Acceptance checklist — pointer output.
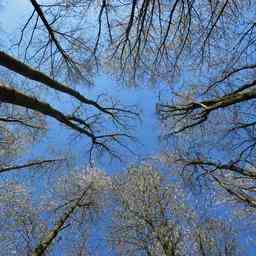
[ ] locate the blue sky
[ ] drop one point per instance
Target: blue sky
(147, 131)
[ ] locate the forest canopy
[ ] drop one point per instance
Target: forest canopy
(198, 60)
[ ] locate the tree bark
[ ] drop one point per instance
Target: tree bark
(21, 68)
(47, 241)
(12, 96)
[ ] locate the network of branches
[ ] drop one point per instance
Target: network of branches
(202, 52)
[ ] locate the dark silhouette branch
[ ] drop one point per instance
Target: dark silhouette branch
(12, 96)
(198, 112)
(30, 164)
(49, 29)
(22, 122)
(25, 70)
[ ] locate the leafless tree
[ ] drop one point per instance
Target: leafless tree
(215, 238)
(21, 225)
(152, 217)
(83, 194)
(204, 51)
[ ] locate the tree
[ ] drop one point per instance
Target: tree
(74, 203)
(152, 217)
(169, 42)
(213, 44)
(152, 38)
(83, 193)
(215, 238)
(21, 225)
(202, 51)
(73, 120)
(88, 117)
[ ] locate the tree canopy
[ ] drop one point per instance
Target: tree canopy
(198, 57)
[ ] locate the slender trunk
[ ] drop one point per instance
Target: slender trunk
(47, 241)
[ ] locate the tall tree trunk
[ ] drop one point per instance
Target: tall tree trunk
(47, 241)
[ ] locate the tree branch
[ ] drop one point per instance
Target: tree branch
(12, 96)
(198, 112)
(28, 165)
